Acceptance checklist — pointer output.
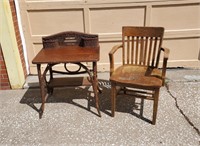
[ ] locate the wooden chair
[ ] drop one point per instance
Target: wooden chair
(141, 50)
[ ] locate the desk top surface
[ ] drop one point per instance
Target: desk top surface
(66, 54)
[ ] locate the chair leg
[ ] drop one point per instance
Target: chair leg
(155, 105)
(142, 107)
(113, 99)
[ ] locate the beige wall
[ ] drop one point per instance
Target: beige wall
(181, 20)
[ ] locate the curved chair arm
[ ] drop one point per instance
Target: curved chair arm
(111, 57)
(164, 66)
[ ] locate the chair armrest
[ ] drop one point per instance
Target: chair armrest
(166, 52)
(164, 66)
(111, 57)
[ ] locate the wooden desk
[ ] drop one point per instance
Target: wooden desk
(66, 54)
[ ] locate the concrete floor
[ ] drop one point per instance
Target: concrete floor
(67, 121)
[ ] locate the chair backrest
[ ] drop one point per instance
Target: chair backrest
(142, 45)
(70, 38)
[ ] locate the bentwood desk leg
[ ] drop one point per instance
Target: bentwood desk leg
(42, 89)
(95, 87)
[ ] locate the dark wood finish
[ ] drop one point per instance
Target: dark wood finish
(72, 54)
(70, 38)
(64, 48)
(141, 49)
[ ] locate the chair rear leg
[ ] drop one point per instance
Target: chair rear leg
(155, 105)
(113, 99)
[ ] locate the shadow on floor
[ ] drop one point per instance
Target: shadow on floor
(125, 104)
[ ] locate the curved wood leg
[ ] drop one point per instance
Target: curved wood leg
(42, 89)
(96, 97)
(95, 87)
(42, 81)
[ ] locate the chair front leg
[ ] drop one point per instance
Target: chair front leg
(155, 105)
(113, 99)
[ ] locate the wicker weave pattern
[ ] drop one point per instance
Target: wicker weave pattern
(70, 38)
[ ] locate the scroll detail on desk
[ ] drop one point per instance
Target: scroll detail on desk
(70, 38)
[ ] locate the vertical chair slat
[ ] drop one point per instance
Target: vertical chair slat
(141, 51)
(158, 55)
(123, 50)
(137, 50)
(154, 52)
(145, 50)
(150, 50)
(132, 50)
(128, 49)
